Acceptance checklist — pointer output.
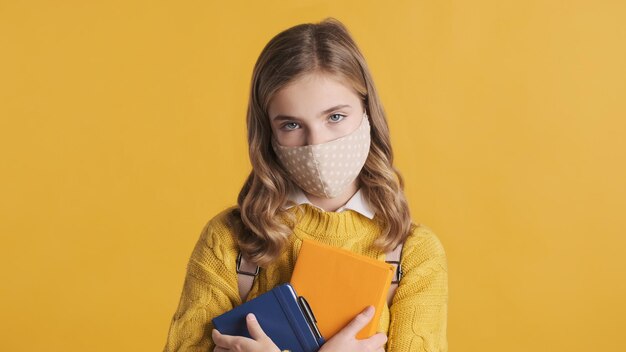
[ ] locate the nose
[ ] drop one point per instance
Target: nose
(315, 135)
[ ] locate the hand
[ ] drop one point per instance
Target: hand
(345, 340)
(259, 341)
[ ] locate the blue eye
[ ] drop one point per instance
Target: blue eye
(336, 117)
(290, 126)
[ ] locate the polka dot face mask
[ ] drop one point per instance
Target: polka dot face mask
(326, 169)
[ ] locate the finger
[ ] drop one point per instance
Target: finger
(376, 341)
(224, 341)
(219, 349)
(232, 343)
(254, 328)
(358, 322)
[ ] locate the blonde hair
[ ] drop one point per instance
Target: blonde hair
(262, 222)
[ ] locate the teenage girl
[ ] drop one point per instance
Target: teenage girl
(322, 168)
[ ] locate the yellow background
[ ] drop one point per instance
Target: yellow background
(122, 133)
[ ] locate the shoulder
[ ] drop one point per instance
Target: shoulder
(217, 237)
(213, 258)
(423, 248)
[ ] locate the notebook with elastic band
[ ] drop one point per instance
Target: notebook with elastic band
(285, 317)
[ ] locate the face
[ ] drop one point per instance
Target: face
(314, 109)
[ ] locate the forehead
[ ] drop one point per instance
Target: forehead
(311, 94)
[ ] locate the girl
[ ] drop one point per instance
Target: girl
(322, 168)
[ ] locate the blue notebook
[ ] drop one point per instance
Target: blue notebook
(284, 317)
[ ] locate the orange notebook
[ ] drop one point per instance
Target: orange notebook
(338, 284)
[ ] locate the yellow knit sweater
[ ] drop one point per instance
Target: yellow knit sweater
(416, 320)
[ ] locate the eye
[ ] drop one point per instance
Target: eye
(336, 117)
(289, 126)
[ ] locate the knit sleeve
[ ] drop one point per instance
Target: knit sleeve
(418, 313)
(209, 289)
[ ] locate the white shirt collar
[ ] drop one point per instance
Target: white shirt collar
(356, 203)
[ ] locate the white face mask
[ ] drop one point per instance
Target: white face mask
(326, 169)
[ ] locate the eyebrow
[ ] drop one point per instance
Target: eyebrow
(285, 117)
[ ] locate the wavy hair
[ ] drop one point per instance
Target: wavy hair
(262, 222)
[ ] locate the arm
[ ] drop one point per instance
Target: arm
(210, 288)
(420, 306)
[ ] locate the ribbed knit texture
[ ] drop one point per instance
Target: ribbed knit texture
(416, 320)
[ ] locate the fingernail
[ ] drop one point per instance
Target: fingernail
(369, 311)
(251, 317)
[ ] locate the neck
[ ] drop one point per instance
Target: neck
(332, 204)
